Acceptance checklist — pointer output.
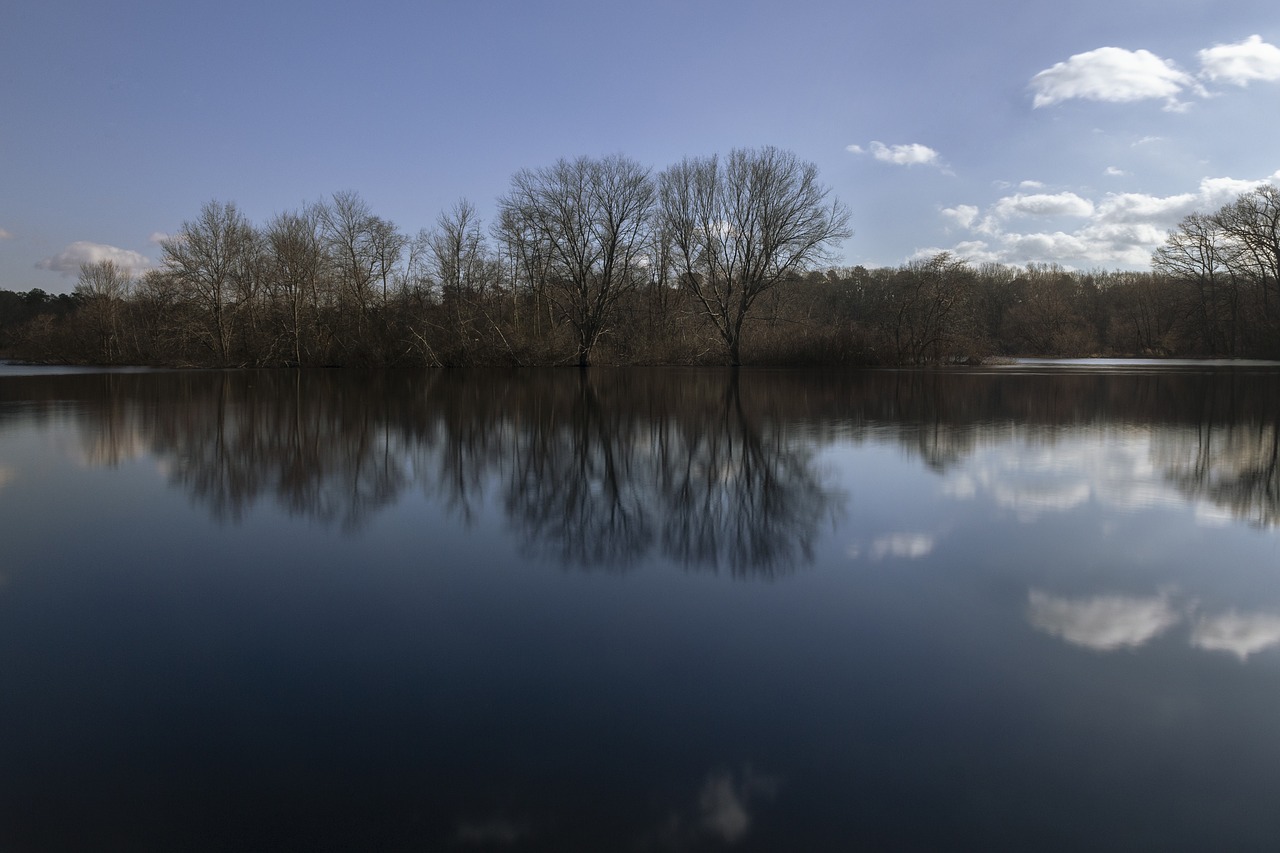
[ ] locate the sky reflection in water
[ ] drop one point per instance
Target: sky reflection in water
(650, 610)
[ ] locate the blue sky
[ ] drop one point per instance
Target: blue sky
(1007, 131)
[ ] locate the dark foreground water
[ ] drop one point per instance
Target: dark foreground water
(1024, 608)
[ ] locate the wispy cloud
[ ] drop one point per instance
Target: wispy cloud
(1241, 63)
(909, 154)
(68, 261)
(1114, 172)
(1114, 75)
(902, 546)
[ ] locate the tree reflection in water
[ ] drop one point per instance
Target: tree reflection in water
(606, 468)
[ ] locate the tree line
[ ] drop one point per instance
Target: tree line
(601, 260)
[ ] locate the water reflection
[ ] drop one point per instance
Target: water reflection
(607, 468)
(1103, 623)
(1038, 625)
(593, 470)
(1108, 623)
(1241, 634)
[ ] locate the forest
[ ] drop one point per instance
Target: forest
(713, 260)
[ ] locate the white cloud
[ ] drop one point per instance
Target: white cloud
(910, 154)
(1103, 623)
(1114, 75)
(1146, 140)
(1251, 59)
(1113, 172)
(1031, 185)
(1241, 634)
(962, 214)
(68, 261)
(1117, 228)
(158, 237)
(1043, 204)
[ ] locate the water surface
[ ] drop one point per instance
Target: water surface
(1028, 607)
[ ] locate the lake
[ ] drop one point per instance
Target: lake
(1034, 606)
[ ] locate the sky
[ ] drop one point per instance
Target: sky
(1013, 131)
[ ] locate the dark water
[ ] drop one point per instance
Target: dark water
(1024, 608)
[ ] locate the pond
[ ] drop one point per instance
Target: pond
(1034, 606)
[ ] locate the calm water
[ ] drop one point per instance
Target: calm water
(1020, 608)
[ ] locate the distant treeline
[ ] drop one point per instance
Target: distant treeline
(712, 260)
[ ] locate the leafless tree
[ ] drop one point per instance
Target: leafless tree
(457, 253)
(1251, 224)
(1196, 255)
(743, 225)
(590, 220)
(211, 259)
(102, 287)
(297, 269)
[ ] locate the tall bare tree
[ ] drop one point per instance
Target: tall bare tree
(364, 251)
(102, 287)
(296, 271)
(1195, 254)
(589, 218)
(211, 260)
(743, 225)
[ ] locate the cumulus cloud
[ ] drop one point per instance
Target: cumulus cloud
(68, 261)
(1043, 204)
(1116, 228)
(1241, 63)
(910, 154)
(1115, 75)
(1241, 634)
(962, 214)
(1103, 623)
(1114, 172)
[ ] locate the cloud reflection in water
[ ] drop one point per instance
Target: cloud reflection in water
(1104, 622)
(1111, 622)
(1241, 634)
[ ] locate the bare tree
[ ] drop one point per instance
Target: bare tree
(102, 288)
(1195, 253)
(457, 253)
(924, 315)
(742, 225)
(590, 220)
(364, 251)
(1251, 224)
(211, 259)
(297, 268)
